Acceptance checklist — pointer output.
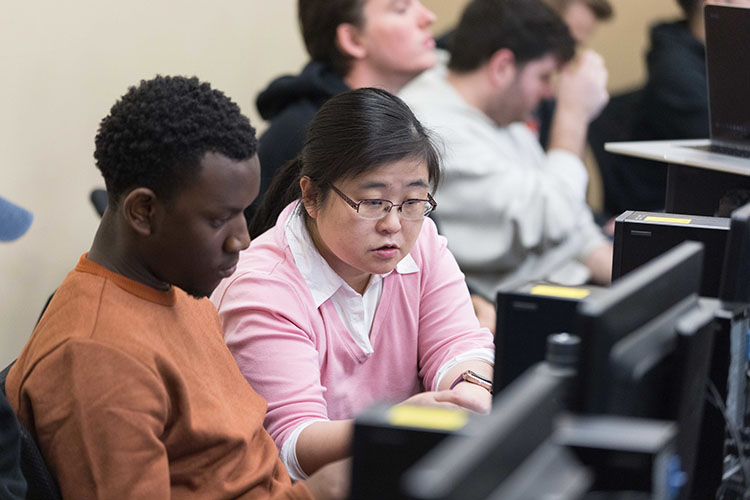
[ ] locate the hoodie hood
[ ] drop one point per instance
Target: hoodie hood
(674, 38)
(316, 83)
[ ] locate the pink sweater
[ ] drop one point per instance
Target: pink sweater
(303, 360)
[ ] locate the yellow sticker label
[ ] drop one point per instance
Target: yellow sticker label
(653, 218)
(431, 418)
(563, 292)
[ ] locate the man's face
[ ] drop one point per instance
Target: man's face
(398, 37)
(531, 84)
(197, 236)
(581, 22)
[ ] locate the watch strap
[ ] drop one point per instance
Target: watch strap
(474, 378)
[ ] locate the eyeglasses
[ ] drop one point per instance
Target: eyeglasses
(412, 209)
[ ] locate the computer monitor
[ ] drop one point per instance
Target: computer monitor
(661, 369)
(735, 278)
(629, 304)
(641, 367)
(727, 57)
(647, 346)
(522, 419)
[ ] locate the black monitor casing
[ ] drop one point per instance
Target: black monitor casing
(643, 236)
(525, 317)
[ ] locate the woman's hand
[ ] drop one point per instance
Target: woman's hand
(473, 397)
(459, 397)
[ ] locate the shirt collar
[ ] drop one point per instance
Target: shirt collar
(323, 281)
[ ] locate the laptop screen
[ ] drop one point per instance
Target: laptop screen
(728, 68)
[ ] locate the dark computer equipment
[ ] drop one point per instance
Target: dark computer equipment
(647, 346)
(655, 308)
(630, 303)
(526, 315)
(730, 367)
(727, 60)
(389, 439)
(735, 278)
(660, 371)
(643, 364)
(642, 236)
(631, 458)
(505, 442)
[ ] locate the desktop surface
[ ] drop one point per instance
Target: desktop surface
(686, 152)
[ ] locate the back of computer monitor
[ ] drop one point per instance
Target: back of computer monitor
(695, 337)
(727, 60)
(735, 278)
(522, 418)
(644, 381)
(628, 304)
(660, 371)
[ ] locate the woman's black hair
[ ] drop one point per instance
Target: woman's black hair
(353, 133)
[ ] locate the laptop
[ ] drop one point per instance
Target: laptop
(728, 72)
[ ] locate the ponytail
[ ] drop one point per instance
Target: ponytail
(283, 190)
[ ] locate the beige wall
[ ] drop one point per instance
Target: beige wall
(65, 63)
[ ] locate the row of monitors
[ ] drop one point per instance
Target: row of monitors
(647, 350)
(528, 313)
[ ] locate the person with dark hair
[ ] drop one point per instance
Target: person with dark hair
(352, 44)
(673, 105)
(510, 211)
(14, 222)
(126, 383)
(351, 297)
(582, 16)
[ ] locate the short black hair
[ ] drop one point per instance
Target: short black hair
(157, 133)
(528, 28)
(319, 20)
(602, 9)
(690, 7)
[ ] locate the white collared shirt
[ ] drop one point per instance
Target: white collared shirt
(356, 311)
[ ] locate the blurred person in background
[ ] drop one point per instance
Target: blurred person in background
(352, 44)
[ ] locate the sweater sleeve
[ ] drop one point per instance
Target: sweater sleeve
(448, 327)
(266, 321)
(106, 409)
(504, 198)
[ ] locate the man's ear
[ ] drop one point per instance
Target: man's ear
(349, 41)
(309, 196)
(502, 68)
(138, 209)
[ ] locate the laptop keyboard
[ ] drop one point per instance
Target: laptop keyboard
(725, 150)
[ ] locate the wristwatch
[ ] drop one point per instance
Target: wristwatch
(474, 378)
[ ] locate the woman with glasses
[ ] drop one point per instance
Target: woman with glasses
(350, 297)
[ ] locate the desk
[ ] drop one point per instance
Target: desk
(696, 179)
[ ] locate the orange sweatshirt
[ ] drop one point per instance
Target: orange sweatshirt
(132, 393)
